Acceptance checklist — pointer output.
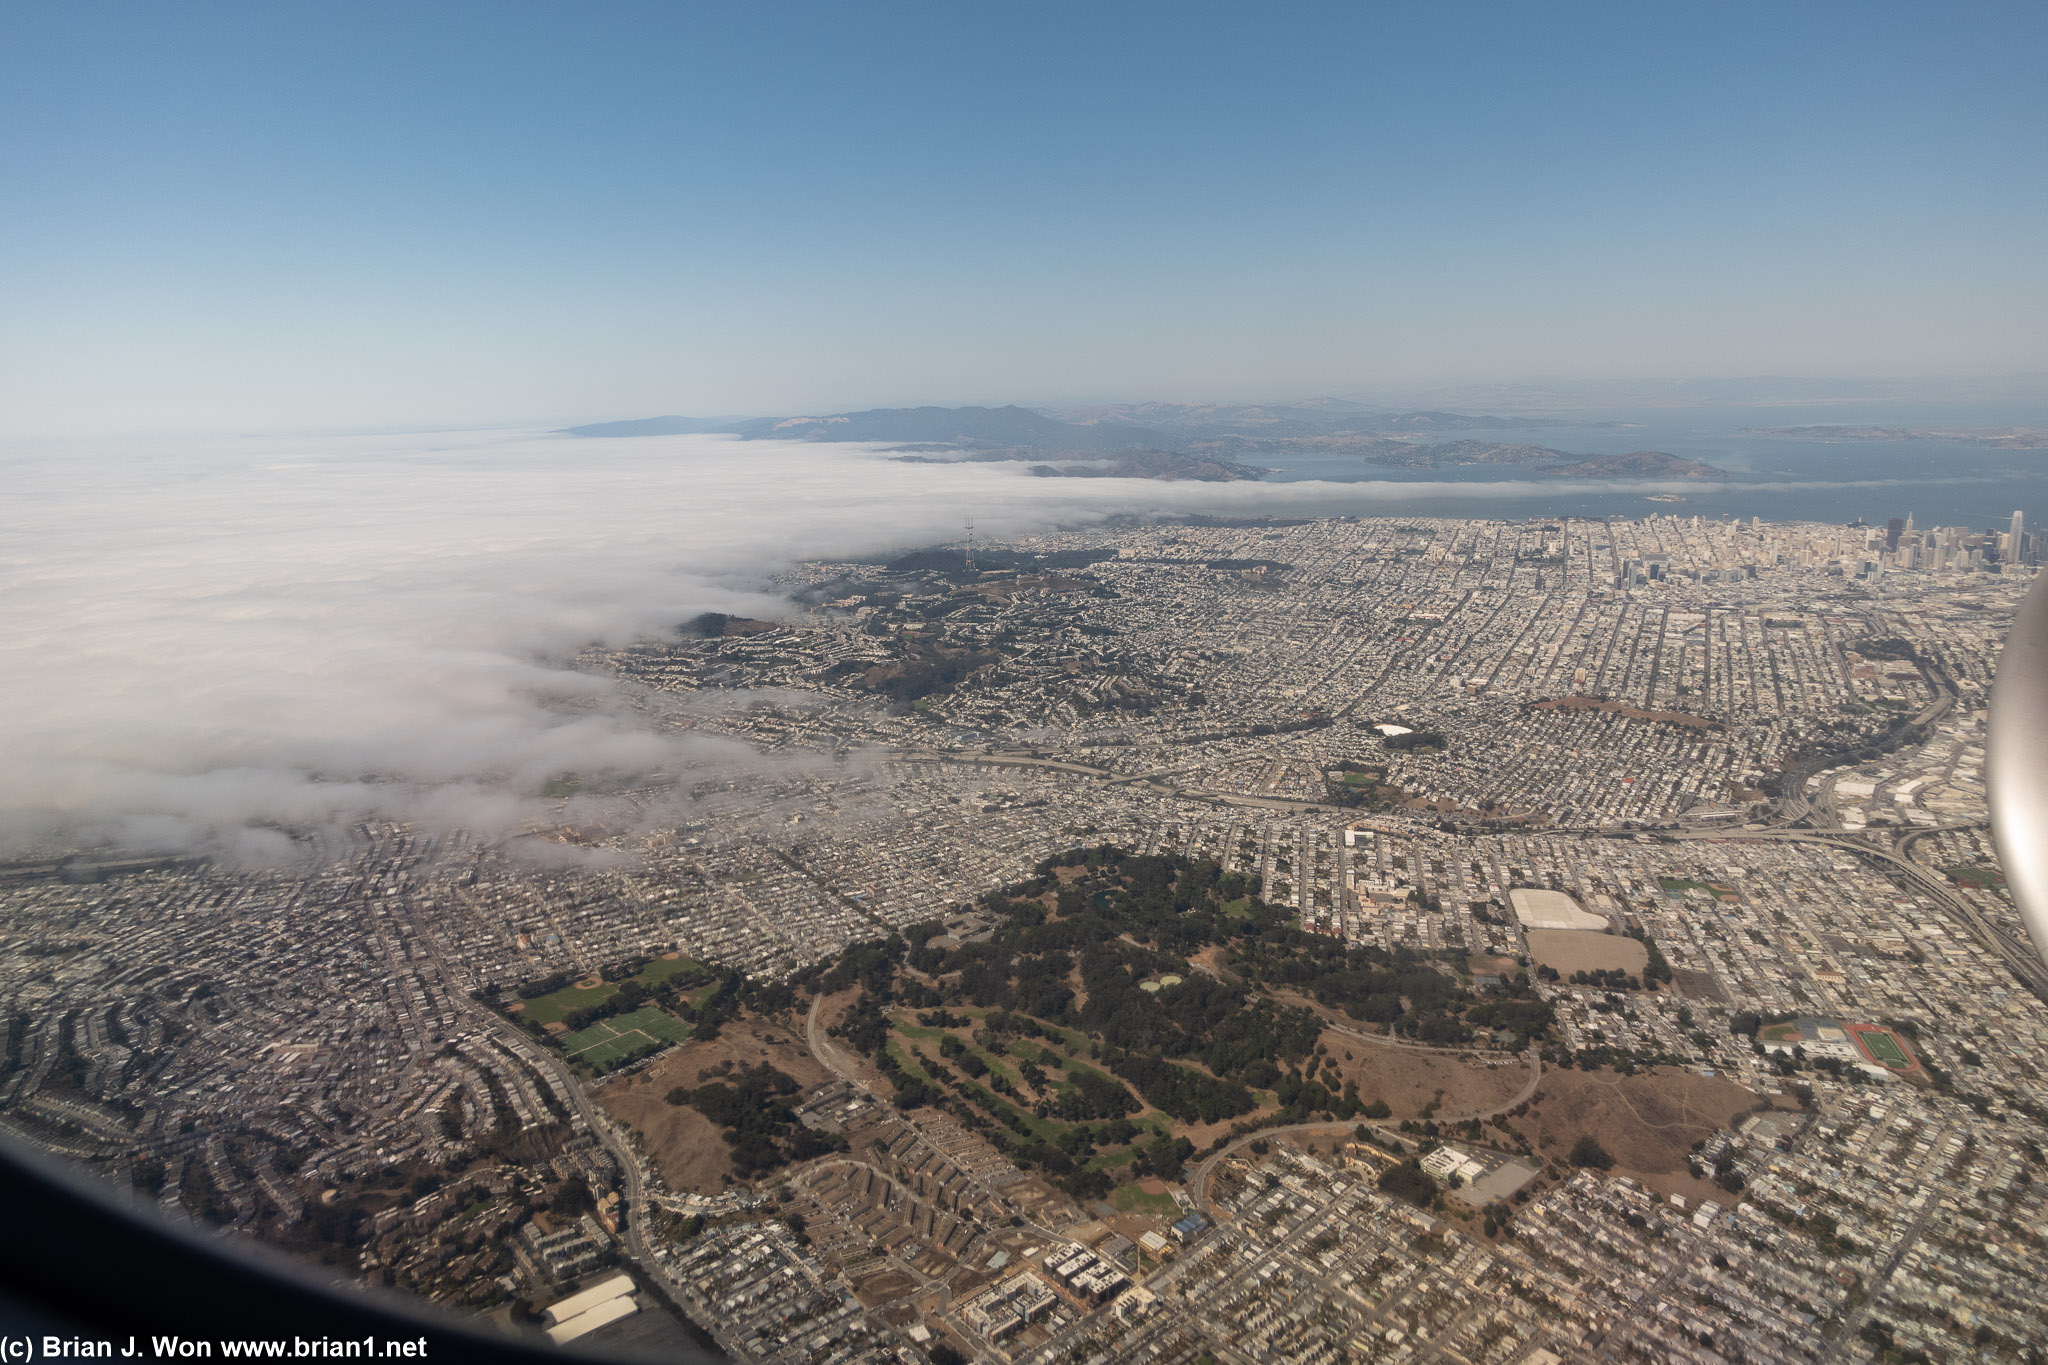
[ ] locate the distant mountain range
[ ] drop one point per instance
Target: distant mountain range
(658, 426)
(1152, 464)
(2001, 438)
(1204, 441)
(1116, 427)
(1637, 464)
(1319, 417)
(971, 428)
(1136, 463)
(1009, 428)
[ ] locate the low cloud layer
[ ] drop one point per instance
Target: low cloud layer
(203, 643)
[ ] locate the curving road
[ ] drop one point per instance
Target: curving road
(833, 1059)
(1793, 806)
(1198, 1188)
(636, 1202)
(2017, 956)
(827, 1052)
(633, 1226)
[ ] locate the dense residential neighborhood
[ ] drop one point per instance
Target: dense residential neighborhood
(1712, 792)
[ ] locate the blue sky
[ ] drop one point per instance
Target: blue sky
(357, 215)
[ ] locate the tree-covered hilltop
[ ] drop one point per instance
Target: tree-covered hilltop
(1119, 920)
(752, 1106)
(1114, 984)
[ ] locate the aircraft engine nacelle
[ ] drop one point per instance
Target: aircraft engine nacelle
(2017, 762)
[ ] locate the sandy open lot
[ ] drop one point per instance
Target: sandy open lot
(684, 1144)
(1408, 1079)
(1648, 1122)
(1576, 950)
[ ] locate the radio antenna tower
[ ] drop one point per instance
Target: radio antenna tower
(970, 545)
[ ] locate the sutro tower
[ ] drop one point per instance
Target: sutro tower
(970, 545)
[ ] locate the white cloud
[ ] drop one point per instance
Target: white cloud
(201, 642)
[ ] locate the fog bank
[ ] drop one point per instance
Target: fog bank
(203, 642)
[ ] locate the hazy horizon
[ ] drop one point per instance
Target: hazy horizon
(232, 217)
(1984, 401)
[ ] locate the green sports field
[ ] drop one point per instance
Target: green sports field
(609, 1042)
(662, 968)
(1132, 1198)
(549, 1009)
(553, 1008)
(1884, 1049)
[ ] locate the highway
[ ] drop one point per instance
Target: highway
(2019, 957)
(1794, 807)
